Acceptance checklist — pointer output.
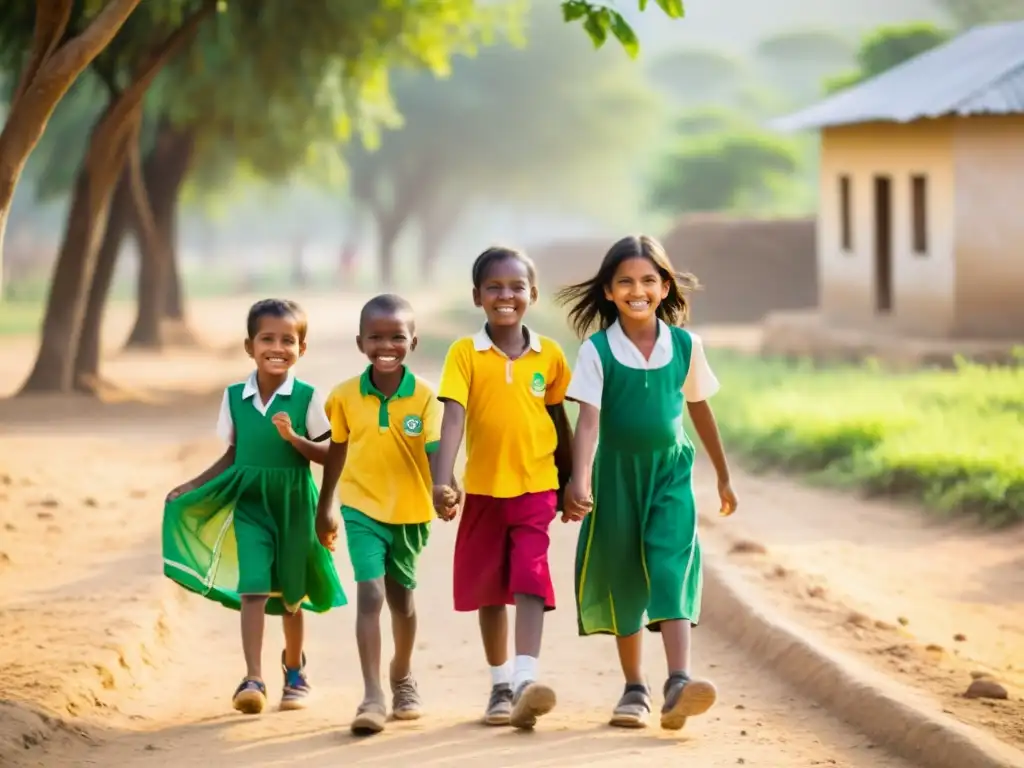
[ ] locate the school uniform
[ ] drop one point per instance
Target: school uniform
(511, 481)
(638, 558)
(250, 530)
(385, 488)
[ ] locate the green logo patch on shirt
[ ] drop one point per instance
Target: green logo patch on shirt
(412, 426)
(537, 385)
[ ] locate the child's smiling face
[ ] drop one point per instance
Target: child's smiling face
(386, 339)
(277, 345)
(505, 292)
(637, 289)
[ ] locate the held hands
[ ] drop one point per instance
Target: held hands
(327, 524)
(728, 497)
(283, 422)
(578, 501)
(447, 501)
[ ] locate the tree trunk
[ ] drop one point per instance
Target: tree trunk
(50, 69)
(90, 346)
(65, 306)
(174, 304)
(388, 233)
(111, 138)
(164, 173)
(436, 225)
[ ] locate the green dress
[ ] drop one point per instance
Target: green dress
(638, 552)
(250, 530)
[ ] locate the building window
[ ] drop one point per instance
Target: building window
(919, 212)
(845, 214)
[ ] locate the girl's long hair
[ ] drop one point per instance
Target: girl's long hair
(588, 306)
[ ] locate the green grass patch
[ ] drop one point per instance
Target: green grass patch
(952, 439)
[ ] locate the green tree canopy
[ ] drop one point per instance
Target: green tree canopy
(887, 47)
(734, 171)
(547, 124)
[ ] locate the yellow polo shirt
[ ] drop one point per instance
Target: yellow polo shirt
(386, 474)
(510, 438)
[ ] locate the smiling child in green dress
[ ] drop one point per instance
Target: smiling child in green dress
(638, 557)
(242, 532)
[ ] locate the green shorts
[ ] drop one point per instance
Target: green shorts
(381, 549)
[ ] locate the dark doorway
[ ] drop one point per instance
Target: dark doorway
(883, 244)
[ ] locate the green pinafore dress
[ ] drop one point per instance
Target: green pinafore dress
(251, 529)
(638, 558)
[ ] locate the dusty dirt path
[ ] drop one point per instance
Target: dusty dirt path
(79, 516)
(931, 603)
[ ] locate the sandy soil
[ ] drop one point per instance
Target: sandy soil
(104, 663)
(933, 604)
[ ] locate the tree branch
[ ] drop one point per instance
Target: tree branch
(74, 56)
(51, 22)
(159, 56)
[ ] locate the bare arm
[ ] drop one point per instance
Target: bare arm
(312, 450)
(452, 426)
(217, 468)
(707, 430)
(584, 444)
(334, 463)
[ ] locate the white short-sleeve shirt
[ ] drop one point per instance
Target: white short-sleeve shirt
(588, 375)
(317, 423)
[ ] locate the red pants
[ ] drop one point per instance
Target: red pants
(501, 550)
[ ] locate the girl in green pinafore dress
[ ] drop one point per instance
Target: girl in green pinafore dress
(242, 533)
(638, 558)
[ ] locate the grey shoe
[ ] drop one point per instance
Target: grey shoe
(499, 706)
(634, 708)
(405, 699)
(531, 701)
(685, 698)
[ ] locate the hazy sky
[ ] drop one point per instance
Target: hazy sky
(739, 24)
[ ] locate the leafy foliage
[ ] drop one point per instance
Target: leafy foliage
(887, 47)
(730, 171)
(513, 123)
(600, 20)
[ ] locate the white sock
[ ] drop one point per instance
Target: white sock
(502, 674)
(525, 671)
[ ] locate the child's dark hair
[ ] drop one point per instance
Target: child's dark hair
(387, 304)
(276, 308)
(587, 302)
(497, 253)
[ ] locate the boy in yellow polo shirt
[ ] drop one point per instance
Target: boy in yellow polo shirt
(505, 386)
(385, 423)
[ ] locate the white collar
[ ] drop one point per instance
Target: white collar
(662, 344)
(251, 388)
(482, 342)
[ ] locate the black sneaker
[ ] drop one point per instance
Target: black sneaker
(499, 706)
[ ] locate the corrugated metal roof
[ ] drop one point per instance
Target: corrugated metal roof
(979, 72)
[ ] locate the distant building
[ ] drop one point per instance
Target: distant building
(921, 213)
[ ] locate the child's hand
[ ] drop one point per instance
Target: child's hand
(728, 497)
(446, 502)
(283, 422)
(327, 524)
(578, 501)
